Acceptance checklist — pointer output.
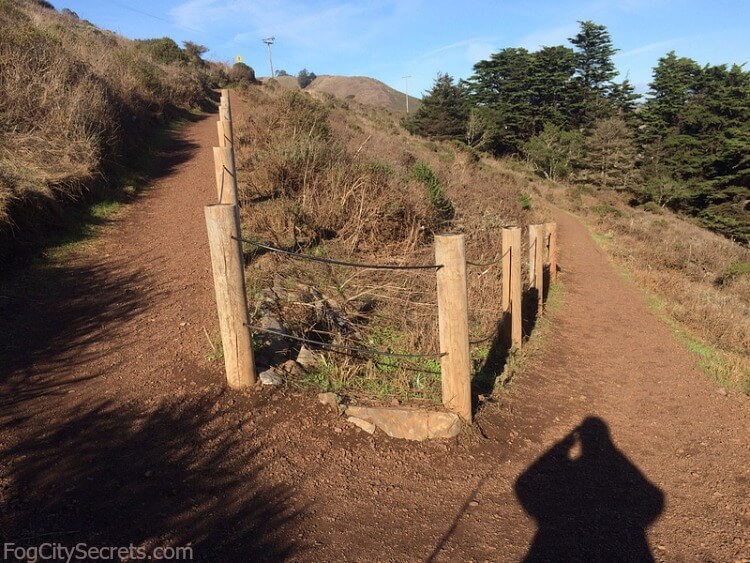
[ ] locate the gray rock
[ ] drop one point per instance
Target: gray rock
(270, 377)
(410, 424)
(293, 368)
(307, 358)
(368, 427)
(331, 399)
(722, 392)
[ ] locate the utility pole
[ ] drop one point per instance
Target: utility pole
(406, 78)
(269, 41)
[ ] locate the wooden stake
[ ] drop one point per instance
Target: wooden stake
(226, 179)
(512, 285)
(224, 113)
(226, 104)
(536, 263)
(453, 321)
(226, 134)
(223, 224)
(552, 251)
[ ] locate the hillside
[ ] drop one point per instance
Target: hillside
(365, 91)
(360, 89)
(79, 107)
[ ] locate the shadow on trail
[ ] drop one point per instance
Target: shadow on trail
(61, 318)
(175, 474)
(590, 502)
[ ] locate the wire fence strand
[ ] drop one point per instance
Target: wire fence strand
(486, 264)
(300, 256)
(490, 336)
(350, 350)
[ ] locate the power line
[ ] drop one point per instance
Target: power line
(159, 18)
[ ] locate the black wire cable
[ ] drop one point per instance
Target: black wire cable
(486, 264)
(339, 262)
(490, 336)
(342, 349)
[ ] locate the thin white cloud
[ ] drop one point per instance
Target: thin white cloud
(344, 25)
(549, 37)
(659, 45)
(468, 43)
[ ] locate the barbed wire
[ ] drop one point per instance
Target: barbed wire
(350, 350)
(300, 256)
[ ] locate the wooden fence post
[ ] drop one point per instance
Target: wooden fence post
(223, 224)
(453, 322)
(226, 179)
(536, 263)
(226, 103)
(224, 114)
(552, 251)
(226, 134)
(512, 285)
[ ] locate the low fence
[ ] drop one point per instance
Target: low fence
(227, 260)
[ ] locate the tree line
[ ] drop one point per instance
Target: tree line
(685, 146)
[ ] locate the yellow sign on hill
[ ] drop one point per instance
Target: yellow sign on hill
(239, 58)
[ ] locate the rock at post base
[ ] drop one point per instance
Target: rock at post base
(368, 427)
(270, 377)
(409, 424)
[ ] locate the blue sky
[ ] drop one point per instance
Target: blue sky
(389, 39)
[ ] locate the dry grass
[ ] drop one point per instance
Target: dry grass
(337, 179)
(73, 100)
(700, 280)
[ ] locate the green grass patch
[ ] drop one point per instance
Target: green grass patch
(84, 222)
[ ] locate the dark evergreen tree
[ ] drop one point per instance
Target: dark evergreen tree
(696, 140)
(443, 113)
(304, 78)
(594, 72)
(624, 101)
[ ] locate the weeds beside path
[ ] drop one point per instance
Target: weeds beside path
(116, 428)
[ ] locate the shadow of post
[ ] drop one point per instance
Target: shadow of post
(590, 502)
(494, 364)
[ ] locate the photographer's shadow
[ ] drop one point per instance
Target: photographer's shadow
(589, 500)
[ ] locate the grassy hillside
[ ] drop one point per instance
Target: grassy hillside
(365, 91)
(359, 89)
(76, 105)
(344, 180)
(347, 181)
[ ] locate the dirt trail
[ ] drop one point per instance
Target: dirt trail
(117, 430)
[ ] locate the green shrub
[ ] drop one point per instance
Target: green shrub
(607, 210)
(240, 72)
(163, 50)
(423, 173)
(525, 200)
(735, 269)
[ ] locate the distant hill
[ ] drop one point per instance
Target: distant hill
(359, 88)
(365, 91)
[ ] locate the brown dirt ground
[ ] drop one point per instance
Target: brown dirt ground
(117, 430)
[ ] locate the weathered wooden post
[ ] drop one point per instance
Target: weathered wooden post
(224, 113)
(536, 263)
(226, 179)
(512, 285)
(453, 322)
(226, 104)
(552, 251)
(226, 133)
(227, 263)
